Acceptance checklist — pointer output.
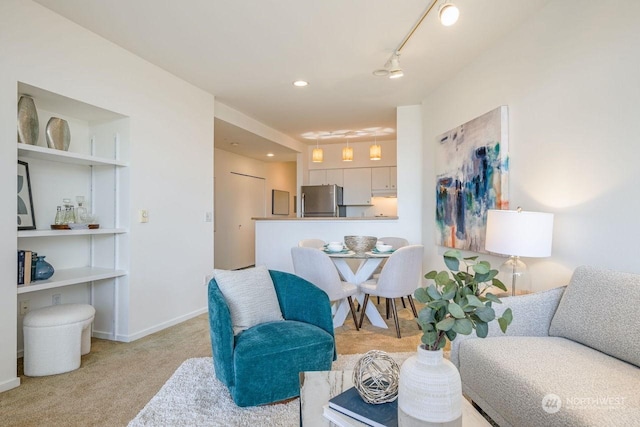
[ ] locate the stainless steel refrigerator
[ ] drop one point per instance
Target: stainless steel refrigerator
(322, 201)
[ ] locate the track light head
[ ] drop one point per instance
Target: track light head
(448, 14)
(394, 68)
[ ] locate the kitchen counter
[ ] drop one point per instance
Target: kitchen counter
(331, 218)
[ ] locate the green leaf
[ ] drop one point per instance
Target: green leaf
(453, 253)
(474, 301)
(508, 315)
(492, 297)
(471, 258)
(429, 338)
(481, 268)
(463, 326)
(441, 344)
(486, 314)
(503, 324)
(426, 315)
(446, 324)
(431, 275)
(456, 311)
(451, 334)
(421, 295)
(449, 290)
(434, 293)
(498, 284)
(442, 278)
(482, 329)
(452, 263)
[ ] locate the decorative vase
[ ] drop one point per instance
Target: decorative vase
(58, 134)
(44, 270)
(28, 125)
(430, 389)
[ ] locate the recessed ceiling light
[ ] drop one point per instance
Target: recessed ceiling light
(381, 72)
(234, 144)
(300, 83)
(270, 154)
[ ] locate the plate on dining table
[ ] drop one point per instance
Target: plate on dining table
(375, 253)
(344, 252)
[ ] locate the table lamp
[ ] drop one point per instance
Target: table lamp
(518, 234)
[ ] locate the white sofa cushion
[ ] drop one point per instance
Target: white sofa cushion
(250, 295)
(598, 309)
(508, 377)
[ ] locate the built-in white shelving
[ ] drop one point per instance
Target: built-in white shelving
(44, 153)
(90, 264)
(71, 276)
(83, 232)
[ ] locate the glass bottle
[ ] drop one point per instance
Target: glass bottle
(59, 216)
(81, 212)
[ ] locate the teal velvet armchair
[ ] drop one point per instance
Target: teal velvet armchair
(262, 364)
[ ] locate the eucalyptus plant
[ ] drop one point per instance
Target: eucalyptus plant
(458, 301)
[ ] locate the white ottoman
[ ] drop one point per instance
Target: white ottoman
(55, 337)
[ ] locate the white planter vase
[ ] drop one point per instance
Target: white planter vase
(430, 388)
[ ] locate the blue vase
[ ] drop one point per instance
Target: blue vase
(44, 270)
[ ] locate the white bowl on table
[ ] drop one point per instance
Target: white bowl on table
(384, 248)
(335, 246)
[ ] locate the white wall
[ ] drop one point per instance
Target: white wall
(569, 77)
(171, 158)
(274, 239)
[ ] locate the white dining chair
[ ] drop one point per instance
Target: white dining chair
(316, 267)
(311, 243)
(400, 277)
(396, 243)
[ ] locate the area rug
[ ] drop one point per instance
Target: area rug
(193, 396)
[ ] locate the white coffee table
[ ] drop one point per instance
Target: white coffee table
(316, 388)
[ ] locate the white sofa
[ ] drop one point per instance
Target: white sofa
(571, 356)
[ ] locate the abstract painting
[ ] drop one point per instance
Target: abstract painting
(472, 170)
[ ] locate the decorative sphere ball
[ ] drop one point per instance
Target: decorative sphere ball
(375, 376)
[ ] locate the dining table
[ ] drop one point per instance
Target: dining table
(368, 262)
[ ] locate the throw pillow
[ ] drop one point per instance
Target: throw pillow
(250, 295)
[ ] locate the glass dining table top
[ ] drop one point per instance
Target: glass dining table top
(347, 253)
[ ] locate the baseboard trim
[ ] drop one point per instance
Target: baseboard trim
(8, 385)
(152, 329)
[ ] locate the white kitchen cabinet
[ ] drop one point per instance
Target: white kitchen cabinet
(326, 177)
(90, 264)
(383, 181)
(357, 186)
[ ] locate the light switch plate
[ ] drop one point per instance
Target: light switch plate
(143, 215)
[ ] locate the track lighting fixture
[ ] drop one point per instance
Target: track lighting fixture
(394, 69)
(448, 14)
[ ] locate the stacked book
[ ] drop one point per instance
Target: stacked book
(26, 266)
(349, 410)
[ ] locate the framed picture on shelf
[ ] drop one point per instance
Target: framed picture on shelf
(26, 217)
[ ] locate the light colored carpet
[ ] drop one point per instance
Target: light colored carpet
(193, 396)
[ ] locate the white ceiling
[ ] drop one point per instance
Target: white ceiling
(248, 52)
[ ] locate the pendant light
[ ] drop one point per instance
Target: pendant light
(375, 152)
(347, 153)
(317, 155)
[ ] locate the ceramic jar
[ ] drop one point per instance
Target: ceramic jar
(28, 124)
(430, 389)
(44, 270)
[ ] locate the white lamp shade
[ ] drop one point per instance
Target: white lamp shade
(375, 152)
(525, 234)
(347, 154)
(317, 155)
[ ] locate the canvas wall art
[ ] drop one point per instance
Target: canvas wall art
(472, 170)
